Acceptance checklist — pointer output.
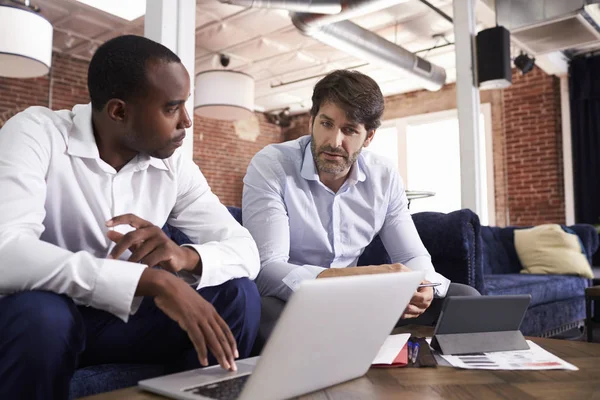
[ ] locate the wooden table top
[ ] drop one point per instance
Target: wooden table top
(459, 384)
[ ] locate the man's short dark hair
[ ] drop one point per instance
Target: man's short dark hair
(357, 94)
(118, 68)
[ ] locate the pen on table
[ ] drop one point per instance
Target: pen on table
(415, 352)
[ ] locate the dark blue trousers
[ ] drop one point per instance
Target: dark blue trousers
(44, 337)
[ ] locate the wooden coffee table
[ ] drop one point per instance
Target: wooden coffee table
(452, 383)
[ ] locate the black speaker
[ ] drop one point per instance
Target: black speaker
(493, 58)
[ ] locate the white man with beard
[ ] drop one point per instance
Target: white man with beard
(314, 204)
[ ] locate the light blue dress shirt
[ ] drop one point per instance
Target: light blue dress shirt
(302, 227)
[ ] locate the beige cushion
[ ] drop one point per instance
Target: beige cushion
(547, 249)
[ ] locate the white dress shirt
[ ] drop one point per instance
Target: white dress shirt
(302, 227)
(56, 195)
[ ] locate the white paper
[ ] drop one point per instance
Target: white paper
(536, 358)
(390, 348)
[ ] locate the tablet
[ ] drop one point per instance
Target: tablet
(481, 324)
(471, 314)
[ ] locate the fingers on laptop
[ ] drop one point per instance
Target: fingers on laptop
(197, 339)
(217, 333)
(229, 336)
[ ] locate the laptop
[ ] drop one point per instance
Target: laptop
(329, 332)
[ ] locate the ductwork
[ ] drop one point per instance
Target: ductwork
(543, 26)
(357, 41)
(353, 39)
(349, 9)
(309, 6)
(336, 31)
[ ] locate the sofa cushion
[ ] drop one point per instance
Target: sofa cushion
(543, 288)
(549, 249)
(499, 254)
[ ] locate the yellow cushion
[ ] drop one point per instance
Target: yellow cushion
(548, 249)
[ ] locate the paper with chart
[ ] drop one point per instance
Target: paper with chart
(536, 358)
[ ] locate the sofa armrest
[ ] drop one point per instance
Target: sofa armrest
(454, 242)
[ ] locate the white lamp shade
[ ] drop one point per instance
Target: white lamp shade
(223, 94)
(25, 43)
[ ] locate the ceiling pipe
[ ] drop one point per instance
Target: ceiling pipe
(336, 31)
(308, 6)
(306, 22)
(359, 42)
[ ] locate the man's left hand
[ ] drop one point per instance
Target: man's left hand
(419, 302)
(150, 245)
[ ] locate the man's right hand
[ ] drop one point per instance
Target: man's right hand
(196, 316)
(366, 270)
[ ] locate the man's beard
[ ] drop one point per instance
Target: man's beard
(332, 166)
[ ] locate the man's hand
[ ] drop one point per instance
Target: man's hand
(149, 245)
(366, 270)
(194, 315)
(419, 302)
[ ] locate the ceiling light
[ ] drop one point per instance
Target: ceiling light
(129, 9)
(224, 94)
(25, 43)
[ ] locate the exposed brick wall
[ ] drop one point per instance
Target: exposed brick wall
(69, 82)
(534, 149)
(18, 94)
(299, 127)
(223, 151)
(69, 87)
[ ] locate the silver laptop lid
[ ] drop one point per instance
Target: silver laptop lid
(330, 332)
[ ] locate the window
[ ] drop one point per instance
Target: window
(426, 150)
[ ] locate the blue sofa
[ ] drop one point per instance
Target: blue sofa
(461, 249)
(485, 258)
(557, 301)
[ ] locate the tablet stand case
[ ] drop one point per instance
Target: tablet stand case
(481, 324)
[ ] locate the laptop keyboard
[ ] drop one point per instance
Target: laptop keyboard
(229, 389)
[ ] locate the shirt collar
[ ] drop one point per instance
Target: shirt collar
(82, 143)
(356, 172)
(144, 160)
(309, 170)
